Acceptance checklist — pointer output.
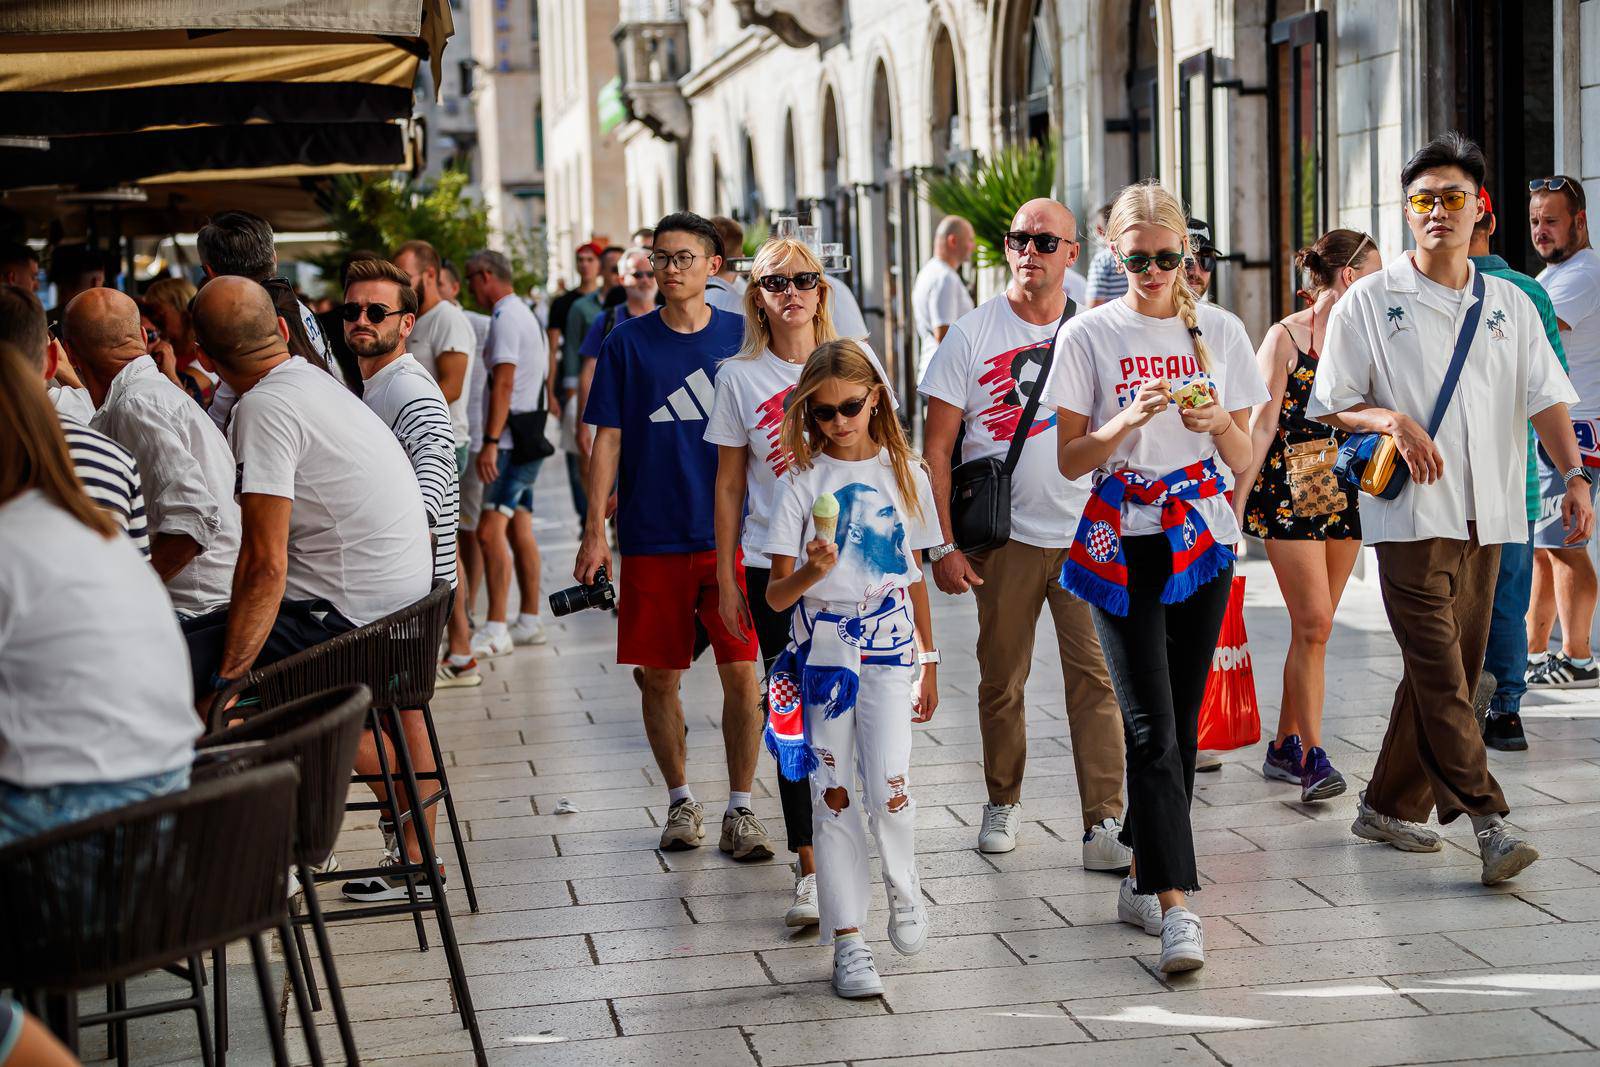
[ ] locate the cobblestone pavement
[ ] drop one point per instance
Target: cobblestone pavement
(593, 947)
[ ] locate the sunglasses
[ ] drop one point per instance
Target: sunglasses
(849, 409)
(376, 313)
(1206, 261)
(151, 336)
(1453, 200)
(640, 275)
(1138, 263)
(1046, 243)
(1556, 184)
(805, 281)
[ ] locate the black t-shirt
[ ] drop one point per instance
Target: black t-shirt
(560, 306)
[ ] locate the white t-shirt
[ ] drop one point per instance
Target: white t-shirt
(515, 337)
(1102, 357)
(358, 535)
(877, 534)
(409, 402)
(938, 298)
(847, 318)
(1076, 286)
(725, 295)
(751, 397)
(1574, 288)
(119, 703)
(476, 377)
(976, 370)
(444, 328)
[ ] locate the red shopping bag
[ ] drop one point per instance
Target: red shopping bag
(1229, 716)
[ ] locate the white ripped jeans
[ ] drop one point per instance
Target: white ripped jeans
(869, 745)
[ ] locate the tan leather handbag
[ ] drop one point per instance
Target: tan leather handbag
(1314, 490)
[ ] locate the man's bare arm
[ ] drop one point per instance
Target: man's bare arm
(258, 579)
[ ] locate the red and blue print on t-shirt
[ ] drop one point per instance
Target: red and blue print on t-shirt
(1010, 378)
(769, 421)
(1178, 369)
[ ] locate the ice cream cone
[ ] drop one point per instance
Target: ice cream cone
(825, 516)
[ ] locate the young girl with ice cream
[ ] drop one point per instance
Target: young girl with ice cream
(854, 512)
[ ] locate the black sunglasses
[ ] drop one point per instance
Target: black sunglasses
(1207, 260)
(640, 275)
(376, 313)
(1556, 184)
(1046, 243)
(1138, 263)
(805, 281)
(849, 409)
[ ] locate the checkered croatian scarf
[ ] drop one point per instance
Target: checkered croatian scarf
(823, 673)
(1096, 568)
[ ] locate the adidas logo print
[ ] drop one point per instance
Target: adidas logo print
(690, 402)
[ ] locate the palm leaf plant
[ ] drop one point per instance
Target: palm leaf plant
(987, 192)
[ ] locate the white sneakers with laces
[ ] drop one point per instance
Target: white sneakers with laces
(1138, 909)
(1102, 851)
(1001, 824)
(855, 972)
(803, 912)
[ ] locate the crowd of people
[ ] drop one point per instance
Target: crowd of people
(241, 478)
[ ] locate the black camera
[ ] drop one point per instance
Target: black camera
(599, 594)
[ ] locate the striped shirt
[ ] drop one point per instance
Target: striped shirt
(1106, 283)
(408, 400)
(110, 476)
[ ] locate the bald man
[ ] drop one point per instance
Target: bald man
(939, 297)
(185, 461)
(333, 532)
(990, 362)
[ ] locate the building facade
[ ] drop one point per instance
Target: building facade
(504, 86)
(1274, 119)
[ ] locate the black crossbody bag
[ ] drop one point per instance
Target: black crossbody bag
(980, 490)
(528, 441)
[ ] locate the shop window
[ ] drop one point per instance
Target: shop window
(1300, 166)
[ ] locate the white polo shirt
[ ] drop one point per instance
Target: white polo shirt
(358, 535)
(515, 337)
(938, 298)
(187, 469)
(1389, 344)
(119, 703)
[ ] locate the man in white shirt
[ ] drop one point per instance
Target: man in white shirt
(939, 297)
(1563, 575)
(987, 365)
(517, 395)
(186, 464)
(725, 289)
(1382, 369)
(333, 531)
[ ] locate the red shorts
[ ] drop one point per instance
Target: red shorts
(659, 598)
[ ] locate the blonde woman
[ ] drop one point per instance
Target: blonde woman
(169, 303)
(787, 311)
(845, 537)
(1153, 392)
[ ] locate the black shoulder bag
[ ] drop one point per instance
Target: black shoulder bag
(980, 490)
(528, 441)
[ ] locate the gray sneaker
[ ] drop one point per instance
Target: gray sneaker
(685, 827)
(743, 836)
(1504, 855)
(1405, 836)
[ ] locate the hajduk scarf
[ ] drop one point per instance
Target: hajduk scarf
(1096, 568)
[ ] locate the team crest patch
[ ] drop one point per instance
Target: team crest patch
(783, 694)
(1190, 534)
(1102, 542)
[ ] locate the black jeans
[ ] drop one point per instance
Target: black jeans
(1159, 656)
(299, 625)
(772, 631)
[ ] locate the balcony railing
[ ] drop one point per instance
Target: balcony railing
(652, 54)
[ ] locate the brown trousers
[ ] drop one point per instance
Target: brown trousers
(1018, 580)
(1438, 593)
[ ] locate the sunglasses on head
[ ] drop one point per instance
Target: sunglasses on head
(805, 281)
(1556, 184)
(1138, 263)
(828, 412)
(1452, 199)
(1046, 243)
(376, 313)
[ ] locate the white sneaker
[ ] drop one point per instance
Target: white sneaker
(908, 924)
(803, 912)
(1102, 851)
(449, 676)
(1138, 909)
(1183, 943)
(1001, 823)
(855, 973)
(486, 647)
(529, 633)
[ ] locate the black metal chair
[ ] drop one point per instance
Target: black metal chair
(396, 658)
(319, 734)
(135, 889)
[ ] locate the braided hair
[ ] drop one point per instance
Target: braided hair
(1149, 203)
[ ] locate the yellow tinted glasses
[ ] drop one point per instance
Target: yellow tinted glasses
(1422, 203)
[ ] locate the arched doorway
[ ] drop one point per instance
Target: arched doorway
(1130, 90)
(835, 200)
(1029, 94)
(791, 191)
(751, 208)
(880, 283)
(948, 140)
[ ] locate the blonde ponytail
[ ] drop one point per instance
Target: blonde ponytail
(1149, 203)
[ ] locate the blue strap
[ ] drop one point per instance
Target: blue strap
(1469, 330)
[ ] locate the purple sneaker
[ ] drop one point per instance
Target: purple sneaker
(1284, 763)
(1318, 780)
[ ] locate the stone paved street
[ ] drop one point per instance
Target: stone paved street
(594, 948)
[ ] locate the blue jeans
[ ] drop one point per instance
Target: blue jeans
(1506, 656)
(580, 499)
(29, 812)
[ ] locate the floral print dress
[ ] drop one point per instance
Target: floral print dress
(1269, 512)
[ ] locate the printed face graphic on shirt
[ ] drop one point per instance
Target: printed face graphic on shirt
(1177, 369)
(769, 421)
(871, 538)
(1010, 379)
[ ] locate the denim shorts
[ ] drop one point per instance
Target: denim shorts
(29, 812)
(513, 488)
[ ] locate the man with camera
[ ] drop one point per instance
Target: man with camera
(648, 403)
(986, 369)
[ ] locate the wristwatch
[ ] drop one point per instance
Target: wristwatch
(487, 440)
(930, 656)
(939, 552)
(1577, 472)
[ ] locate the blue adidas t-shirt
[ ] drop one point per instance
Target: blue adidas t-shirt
(656, 385)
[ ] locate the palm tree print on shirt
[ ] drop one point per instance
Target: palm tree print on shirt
(1396, 315)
